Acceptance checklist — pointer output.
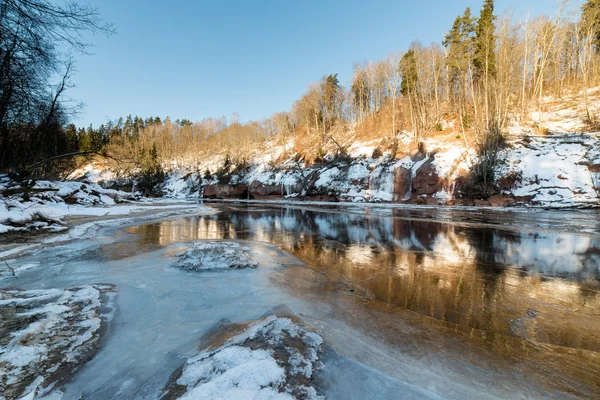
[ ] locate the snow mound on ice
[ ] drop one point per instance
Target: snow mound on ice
(273, 359)
(45, 332)
(204, 256)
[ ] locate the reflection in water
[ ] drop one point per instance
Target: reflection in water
(512, 290)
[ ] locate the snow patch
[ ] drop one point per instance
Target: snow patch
(273, 358)
(204, 256)
(49, 330)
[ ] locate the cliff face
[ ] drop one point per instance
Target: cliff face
(560, 170)
(554, 170)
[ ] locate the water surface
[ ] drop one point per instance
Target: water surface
(413, 302)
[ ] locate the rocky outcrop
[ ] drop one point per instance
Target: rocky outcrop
(225, 191)
(262, 191)
(545, 171)
(402, 185)
(426, 180)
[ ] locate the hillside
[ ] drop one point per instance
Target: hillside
(550, 161)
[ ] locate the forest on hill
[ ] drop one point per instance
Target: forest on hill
(490, 71)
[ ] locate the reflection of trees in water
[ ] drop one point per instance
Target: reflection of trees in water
(461, 277)
(485, 245)
(494, 250)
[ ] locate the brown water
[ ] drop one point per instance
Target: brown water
(522, 287)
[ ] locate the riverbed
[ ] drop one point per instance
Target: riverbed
(411, 302)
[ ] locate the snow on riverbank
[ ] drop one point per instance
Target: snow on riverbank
(204, 256)
(558, 170)
(553, 171)
(273, 358)
(89, 230)
(45, 205)
(46, 334)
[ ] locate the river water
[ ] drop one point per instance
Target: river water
(412, 302)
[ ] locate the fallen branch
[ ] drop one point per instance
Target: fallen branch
(26, 189)
(75, 154)
(11, 269)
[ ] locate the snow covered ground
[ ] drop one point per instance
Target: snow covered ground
(46, 334)
(206, 256)
(553, 171)
(45, 205)
(274, 358)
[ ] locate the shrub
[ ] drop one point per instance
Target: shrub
(481, 181)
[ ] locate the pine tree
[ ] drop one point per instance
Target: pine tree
(330, 90)
(459, 43)
(408, 69)
(71, 137)
(128, 126)
(590, 19)
(485, 41)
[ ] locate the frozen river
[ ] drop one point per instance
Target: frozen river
(412, 302)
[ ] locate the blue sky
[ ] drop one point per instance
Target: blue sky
(196, 59)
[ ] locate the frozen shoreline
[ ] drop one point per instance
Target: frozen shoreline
(86, 226)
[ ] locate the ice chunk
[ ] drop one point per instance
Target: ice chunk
(273, 358)
(213, 255)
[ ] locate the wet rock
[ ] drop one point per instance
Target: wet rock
(432, 201)
(262, 191)
(426, 180)
(225, 191)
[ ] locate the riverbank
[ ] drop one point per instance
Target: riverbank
(85, 226)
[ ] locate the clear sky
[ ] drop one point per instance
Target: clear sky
(195, 59)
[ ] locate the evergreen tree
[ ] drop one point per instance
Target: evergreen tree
(485, 41)
(360, 94)
(128, 126)
(330, 92)
(590, 19)
(459, 43)
(71, 137)
(410, 77)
